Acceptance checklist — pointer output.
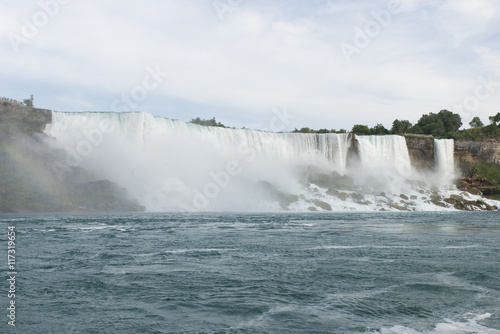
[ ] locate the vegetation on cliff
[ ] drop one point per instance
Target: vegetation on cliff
(16, 119)
(479, 133)
(207, 122)
(482, 178)
(444, 124)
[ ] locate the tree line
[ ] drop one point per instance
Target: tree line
(444, 124)
(207, 122)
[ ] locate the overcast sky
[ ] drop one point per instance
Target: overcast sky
(329, 64)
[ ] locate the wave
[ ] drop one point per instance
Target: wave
(446, 327)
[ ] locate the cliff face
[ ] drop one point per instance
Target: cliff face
(421, 150)
(28, 170)
(469, 151)
(17, 118)
(479, 164)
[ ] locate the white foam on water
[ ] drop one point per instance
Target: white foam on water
(471, 326)
(170, 165)
(198, 250)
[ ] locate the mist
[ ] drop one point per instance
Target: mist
(170, 165)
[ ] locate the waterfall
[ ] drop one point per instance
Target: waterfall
(443, 157)
(142, 129)
(165, 163)
(384, 151)
(170, 165)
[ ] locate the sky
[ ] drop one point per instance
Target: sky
(318, 64)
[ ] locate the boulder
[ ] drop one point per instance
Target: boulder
(323, 205)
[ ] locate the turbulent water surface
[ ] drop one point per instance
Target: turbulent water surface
(256, 273)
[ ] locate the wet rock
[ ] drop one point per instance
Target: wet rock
(332, 181)
(323, 205)
(403, 196)
(288, 199)
(490, 207)
(480, 203)
(345, 182)
(474, 191)
(437, 202)
(283, 199)
(413, 197)
(357, 197)
(333, 192)
(459, 205)
(450, 200)
(311, 208)
(343, 196)
(435, 196)
(399, 207)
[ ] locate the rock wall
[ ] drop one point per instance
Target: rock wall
(421, 150)
(473, 151)
(17, 118)
(30, 170)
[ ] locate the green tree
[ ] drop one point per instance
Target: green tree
(452, 122)
(476, 123)
(400, 127)
(360, 129)
(379, 129)
(443, 124)
(207, 122)
(495, 119)
(29, 102)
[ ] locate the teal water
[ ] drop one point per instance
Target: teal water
(255, 273)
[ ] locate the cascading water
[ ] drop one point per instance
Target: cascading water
(170, 165)
(384, 163)
(142, 129)
(167, 163)
(443, 157)
(385, 151)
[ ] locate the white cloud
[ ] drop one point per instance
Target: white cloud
(261, 56)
